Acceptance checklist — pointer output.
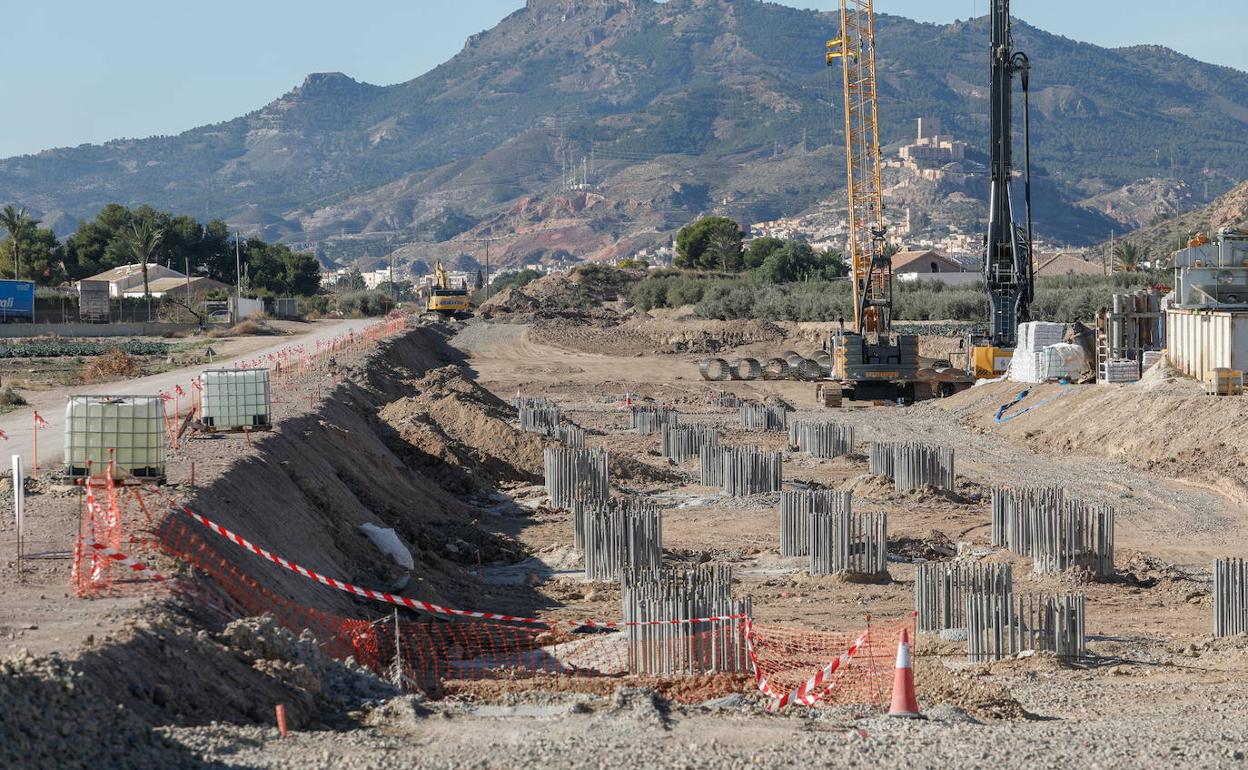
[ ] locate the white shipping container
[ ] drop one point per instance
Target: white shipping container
(234, 399)
(1199, 341)
(132, 427)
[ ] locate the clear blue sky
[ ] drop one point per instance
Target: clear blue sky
(81, 71)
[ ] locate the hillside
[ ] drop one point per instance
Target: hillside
(1160, 237)
(595, 127)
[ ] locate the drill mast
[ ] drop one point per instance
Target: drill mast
(1008, 274)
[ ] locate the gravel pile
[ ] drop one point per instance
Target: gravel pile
(298, 660)
(51, 716)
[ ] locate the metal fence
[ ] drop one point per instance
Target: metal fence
(750, 471)
(763, 417)
(796, 510)
(941, 588)
(570, 435)
(575, 474)
(619, 534)
(1058, 534)
(672, 596)
(681, 442)
(711, 465)
(849, 543)
(821, 439)
(1230, 597)
(912, 465)
(650, 419)
(1000, 626)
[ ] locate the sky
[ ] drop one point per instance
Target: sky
(85, 71)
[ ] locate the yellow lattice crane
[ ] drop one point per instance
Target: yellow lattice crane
(870, 362)
(872, 268)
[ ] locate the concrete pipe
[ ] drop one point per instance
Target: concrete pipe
(809, 370)
(776, 369)
(824, 359)
(715, 369)
(746, 369)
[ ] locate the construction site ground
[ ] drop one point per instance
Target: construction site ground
(415, 436)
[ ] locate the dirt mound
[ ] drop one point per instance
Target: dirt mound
(1164, 424)
(55, 716)
(628, 468)
(966, 690)
(171, 672)
(461, 434)
(584, 290)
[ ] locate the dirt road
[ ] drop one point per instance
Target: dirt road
(19, 426)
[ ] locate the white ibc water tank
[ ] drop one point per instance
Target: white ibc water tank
(133, 427)
(236, 398)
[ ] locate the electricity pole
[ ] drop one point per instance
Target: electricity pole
(238, 278)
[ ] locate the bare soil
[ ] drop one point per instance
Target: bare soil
(418, 438)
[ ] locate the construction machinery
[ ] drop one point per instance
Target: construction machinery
(444, 300)
(869, 361)
(1008, 273)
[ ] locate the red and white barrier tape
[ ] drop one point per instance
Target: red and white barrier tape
(416, 604)
(813, 689)
(121, 560)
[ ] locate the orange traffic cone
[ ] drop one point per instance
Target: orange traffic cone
(904, 702)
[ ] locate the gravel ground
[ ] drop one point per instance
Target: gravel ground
(1209, 731)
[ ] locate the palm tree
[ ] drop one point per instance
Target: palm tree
(1126, 257)
(726, 248)
(143, 240)
(20, 225)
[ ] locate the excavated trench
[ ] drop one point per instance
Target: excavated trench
(406, 442)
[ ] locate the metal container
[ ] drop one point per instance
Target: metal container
(236, 399)
(1199, 341)
(94, 302)
(132, 427)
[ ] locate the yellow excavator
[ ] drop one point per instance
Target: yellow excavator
(445, 300)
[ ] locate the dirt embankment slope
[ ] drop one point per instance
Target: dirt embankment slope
(1164, 423)
(302, 491)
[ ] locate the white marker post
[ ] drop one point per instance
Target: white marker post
(19, 509)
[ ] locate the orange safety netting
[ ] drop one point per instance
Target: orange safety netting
(104, 555)
(429, 652)
(786, 658)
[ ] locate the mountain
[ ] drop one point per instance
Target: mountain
(594, 127)
(1162, 237)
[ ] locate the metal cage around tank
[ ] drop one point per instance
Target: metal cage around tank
(123, 433)
(235, 400)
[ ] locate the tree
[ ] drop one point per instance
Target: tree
(20, 226)
(352, 281)
(42, 255)
(760, 249)
(710, 243)
(1126, 257)
(480, 282)
(144, 240)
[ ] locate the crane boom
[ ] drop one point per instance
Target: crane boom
(871, 266)
(870, 362)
